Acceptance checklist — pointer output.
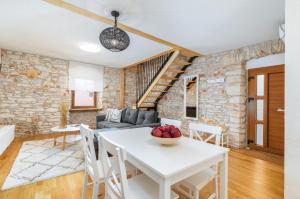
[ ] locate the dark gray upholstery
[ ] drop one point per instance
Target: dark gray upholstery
(144, 119)
(106, 124)
(147, 117)
(131, 116)
(123, 114)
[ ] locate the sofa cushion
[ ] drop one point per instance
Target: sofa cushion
(106, 124)
(131, 116)
(123, 114)
(147, 117)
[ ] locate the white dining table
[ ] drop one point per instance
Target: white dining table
(168, 165)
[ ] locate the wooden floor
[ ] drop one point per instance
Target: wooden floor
(252, 174)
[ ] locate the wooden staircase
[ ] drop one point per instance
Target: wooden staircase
(157, 75)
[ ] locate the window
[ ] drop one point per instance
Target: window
(84, 99)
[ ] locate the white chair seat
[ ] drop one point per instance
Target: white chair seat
(142, 187)
(199, 180)
(129, 168)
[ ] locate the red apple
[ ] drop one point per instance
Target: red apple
(157, 133)
(166, 135)
(175, 133)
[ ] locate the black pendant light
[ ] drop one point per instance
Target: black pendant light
(114, 38)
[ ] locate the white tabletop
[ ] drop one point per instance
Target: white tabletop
(165, 160)
(70, 128)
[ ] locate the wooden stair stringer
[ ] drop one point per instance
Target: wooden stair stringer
(175, 79)
(158, 77)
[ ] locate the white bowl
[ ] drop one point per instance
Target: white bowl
(166, 141)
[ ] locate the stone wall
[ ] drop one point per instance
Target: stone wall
(111, 90)
(130, 88)
(31, 89)
(223, 103)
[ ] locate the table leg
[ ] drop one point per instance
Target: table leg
(54, 141)
(224, 177)
(164, 190)
(64, 142)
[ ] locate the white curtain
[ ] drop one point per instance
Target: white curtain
(85, 77)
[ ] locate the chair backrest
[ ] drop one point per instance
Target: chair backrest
(166, 121)
(91, 166)
(197, 130)
(116, 187)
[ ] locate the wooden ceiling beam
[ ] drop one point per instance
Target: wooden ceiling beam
(94, 16)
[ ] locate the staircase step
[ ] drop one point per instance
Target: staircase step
(176, 71)
(180, 62)
(170, 78)
(162, 84)
(149, 102)
(147, 107)
(158, 91)
(188, 53)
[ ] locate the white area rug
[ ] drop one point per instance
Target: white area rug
(39, 160)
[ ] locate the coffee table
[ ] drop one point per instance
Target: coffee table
(64, 132)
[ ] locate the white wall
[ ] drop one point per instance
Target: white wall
(270, 60)
(292, 100)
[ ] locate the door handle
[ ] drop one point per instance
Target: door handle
(250, 99)
(280, 110)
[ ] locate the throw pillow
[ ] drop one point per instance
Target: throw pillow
(108, 114)
(116, 115)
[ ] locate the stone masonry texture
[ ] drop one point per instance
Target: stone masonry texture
(222, 104)
(33, 86)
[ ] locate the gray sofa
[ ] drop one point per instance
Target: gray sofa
(131, 118)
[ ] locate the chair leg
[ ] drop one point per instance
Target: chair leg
(85, 183)
(95, 190)
(227, 143)
(216, 188)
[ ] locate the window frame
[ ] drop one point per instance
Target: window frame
(83, 107)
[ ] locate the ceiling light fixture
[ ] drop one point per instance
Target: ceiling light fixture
(114, 38)
(91, 48)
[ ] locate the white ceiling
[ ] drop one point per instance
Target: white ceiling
(206, 26)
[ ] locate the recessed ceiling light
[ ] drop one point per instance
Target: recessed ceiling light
(92, 48)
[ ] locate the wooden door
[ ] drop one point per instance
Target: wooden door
(276, 111)
(266, 108)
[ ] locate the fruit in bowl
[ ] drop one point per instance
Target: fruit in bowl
(166, 135)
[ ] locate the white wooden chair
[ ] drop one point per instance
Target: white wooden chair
(93, 168)
(166, 121)
(137, 187)
(197, 182)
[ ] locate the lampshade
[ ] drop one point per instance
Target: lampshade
(114, 38)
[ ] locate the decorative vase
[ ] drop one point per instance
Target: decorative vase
(63, 108)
